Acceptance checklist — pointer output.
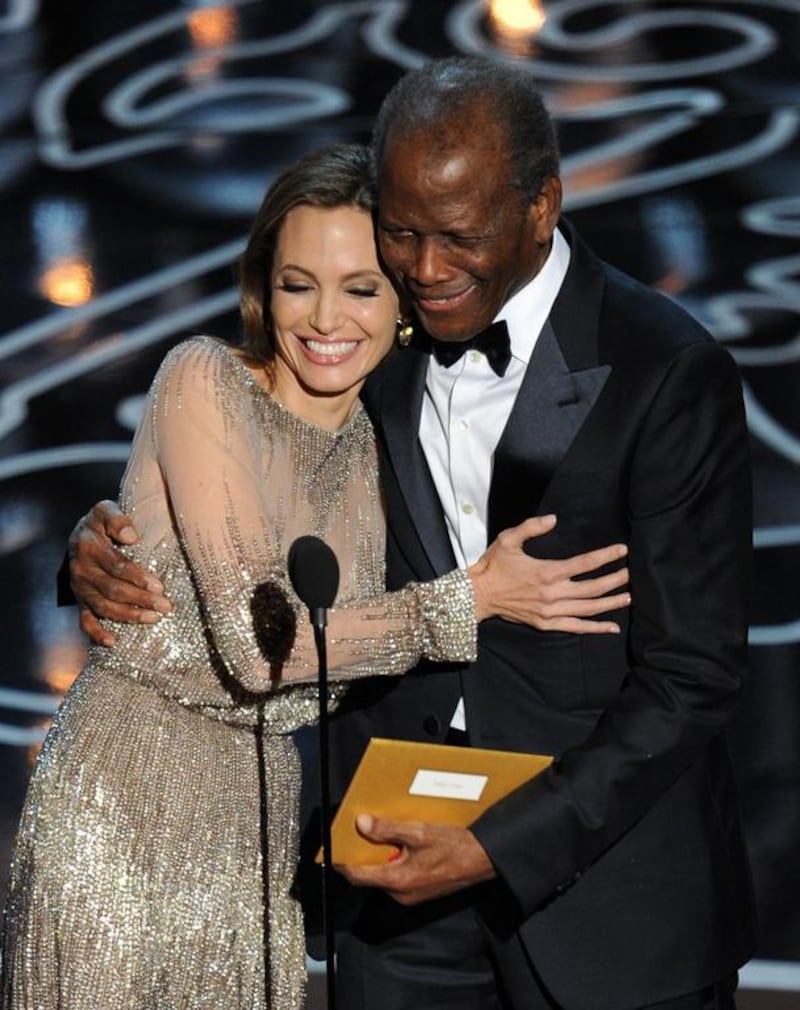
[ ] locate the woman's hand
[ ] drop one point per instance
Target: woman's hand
(547, 594)
(104, 582)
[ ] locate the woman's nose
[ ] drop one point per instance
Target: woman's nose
(327, 314)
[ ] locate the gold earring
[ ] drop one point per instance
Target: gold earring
(405, 331)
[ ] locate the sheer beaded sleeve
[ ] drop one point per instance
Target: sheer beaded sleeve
(243, 477)
(434, 620)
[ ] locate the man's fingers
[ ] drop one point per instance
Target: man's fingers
(122, 568)
(367, 876)
(383, 829)
(106, 582)
(91, 627)
(435, 860)
(94, 630)
(118, 602)
(106, 517)
(365, 824)
(376, 829)
(105, 569)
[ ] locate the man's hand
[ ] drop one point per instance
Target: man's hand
(104, 582)
(433, 860)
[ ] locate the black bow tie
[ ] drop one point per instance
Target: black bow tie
(493, 342)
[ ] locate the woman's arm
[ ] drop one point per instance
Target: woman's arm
(220, 509)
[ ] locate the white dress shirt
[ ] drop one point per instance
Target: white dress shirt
(466, 407)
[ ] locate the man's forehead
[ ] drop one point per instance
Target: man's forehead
(424, 161)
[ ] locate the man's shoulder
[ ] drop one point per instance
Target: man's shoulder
(629, 325)
(395, 369)
(635, 318)
(629, 301)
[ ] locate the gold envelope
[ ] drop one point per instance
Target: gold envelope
(423, 782)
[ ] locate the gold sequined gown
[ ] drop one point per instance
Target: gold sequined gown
(158, 842)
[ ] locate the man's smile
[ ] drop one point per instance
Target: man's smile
(441, 303)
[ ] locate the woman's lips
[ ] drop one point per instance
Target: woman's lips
(328, 352)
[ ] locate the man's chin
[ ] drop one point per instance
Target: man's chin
(450, 331)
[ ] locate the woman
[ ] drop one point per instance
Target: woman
(158, 842)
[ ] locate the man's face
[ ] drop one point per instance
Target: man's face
(455, 233)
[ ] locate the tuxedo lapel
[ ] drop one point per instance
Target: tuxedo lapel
(403, 389)
(561, 385)
(549, 411)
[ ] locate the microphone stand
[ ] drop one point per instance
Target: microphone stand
(319, 621)
(314, 574)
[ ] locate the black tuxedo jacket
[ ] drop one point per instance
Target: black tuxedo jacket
(625, 860)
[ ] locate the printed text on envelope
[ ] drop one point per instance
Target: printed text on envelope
(448, 785)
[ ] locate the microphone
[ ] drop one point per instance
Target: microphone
(314, 574)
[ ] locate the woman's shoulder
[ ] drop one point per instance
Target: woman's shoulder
(203, 361)
(203, 372)
(198, 350)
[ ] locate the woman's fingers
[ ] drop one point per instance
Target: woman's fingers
(584, 589)
(568, 594)
(571, 607)
(576, 626)
(528, 529)
(582, 564)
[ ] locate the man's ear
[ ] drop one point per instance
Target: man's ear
(546, 209)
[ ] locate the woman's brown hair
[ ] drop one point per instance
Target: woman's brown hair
(337, 176)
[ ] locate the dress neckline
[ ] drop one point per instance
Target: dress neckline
(230, 351)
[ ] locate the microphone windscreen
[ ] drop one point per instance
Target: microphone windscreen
(314, 572)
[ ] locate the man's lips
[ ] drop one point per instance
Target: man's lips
(441, 303)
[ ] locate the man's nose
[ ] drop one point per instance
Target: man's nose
(430, 265)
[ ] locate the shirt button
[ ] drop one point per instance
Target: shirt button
(467, 508)
(475, 355)
(463, 425)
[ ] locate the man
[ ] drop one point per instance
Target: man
(617, 879)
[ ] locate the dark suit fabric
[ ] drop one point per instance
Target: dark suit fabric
(625, 860)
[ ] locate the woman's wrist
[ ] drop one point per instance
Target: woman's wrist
(478, 575)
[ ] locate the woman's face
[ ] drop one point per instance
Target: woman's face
(333, 311)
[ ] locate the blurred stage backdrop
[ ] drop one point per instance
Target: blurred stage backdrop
(135, 143)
